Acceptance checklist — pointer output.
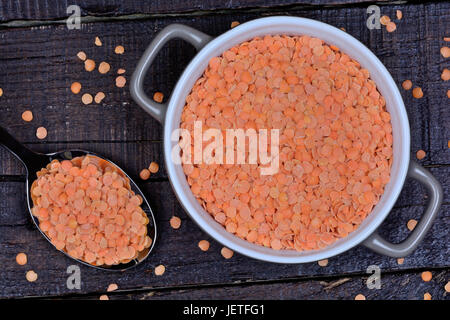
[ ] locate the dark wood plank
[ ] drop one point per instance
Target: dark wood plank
(185, 263)
(397, 286)
(40, 81)
(57, 9)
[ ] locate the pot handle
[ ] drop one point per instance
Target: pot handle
(196, 38)
(376, 243)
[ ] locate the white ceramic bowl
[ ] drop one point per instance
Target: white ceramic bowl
(169, 115)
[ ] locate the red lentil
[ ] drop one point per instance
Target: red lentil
(417, 93)
(27, 116)
(158, 97)
(104, 67)
(445, 52)
(86, 98)
(420, 154)
(203, 245)
(227, 253)
(445, 74)
(41, 133)
(121, 81)
(119, 50)
(21, 259)
(175, 222)
(159, 270)
(411, 224)
(407, 84)
(427, 276)
(302, 86)
(89, 65)
(98, 42)
(31, 276)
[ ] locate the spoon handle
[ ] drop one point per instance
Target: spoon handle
(19, 150)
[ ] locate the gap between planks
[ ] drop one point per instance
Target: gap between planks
(198, 13)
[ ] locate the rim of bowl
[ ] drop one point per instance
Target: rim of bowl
(330, 35)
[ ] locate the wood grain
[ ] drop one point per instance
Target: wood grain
(57, 9)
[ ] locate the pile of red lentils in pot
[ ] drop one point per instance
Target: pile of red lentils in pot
(335, 141)
(87, 208)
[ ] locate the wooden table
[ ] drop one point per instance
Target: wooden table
(38, 63)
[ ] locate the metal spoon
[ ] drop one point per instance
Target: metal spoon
(36, 161)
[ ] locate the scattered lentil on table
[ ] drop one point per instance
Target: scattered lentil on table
(81, 55)
(234, 24)
(112, 287)
(407, 84)
(391, 26)
(420, 154)
(104, 67)
(360, 297)
(203, 245)
(427, 296)
(158, 97)
(89, 65)
(411, 224)
(75, 87)
(399, 14)
(87, 208)
(144, 174)
(98, 42)
(445, 74)
(21, 259)
(99, 97)
(153, 167)
(384, 20)
(41, 133)
(159, 270)
(447, 287)
(445, 52)
(86, 98)
(226, 253)
(119, 50)
(417, 93)
(121, 81)
(31, 276)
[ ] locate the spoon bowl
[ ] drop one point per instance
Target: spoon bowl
(34, 162)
